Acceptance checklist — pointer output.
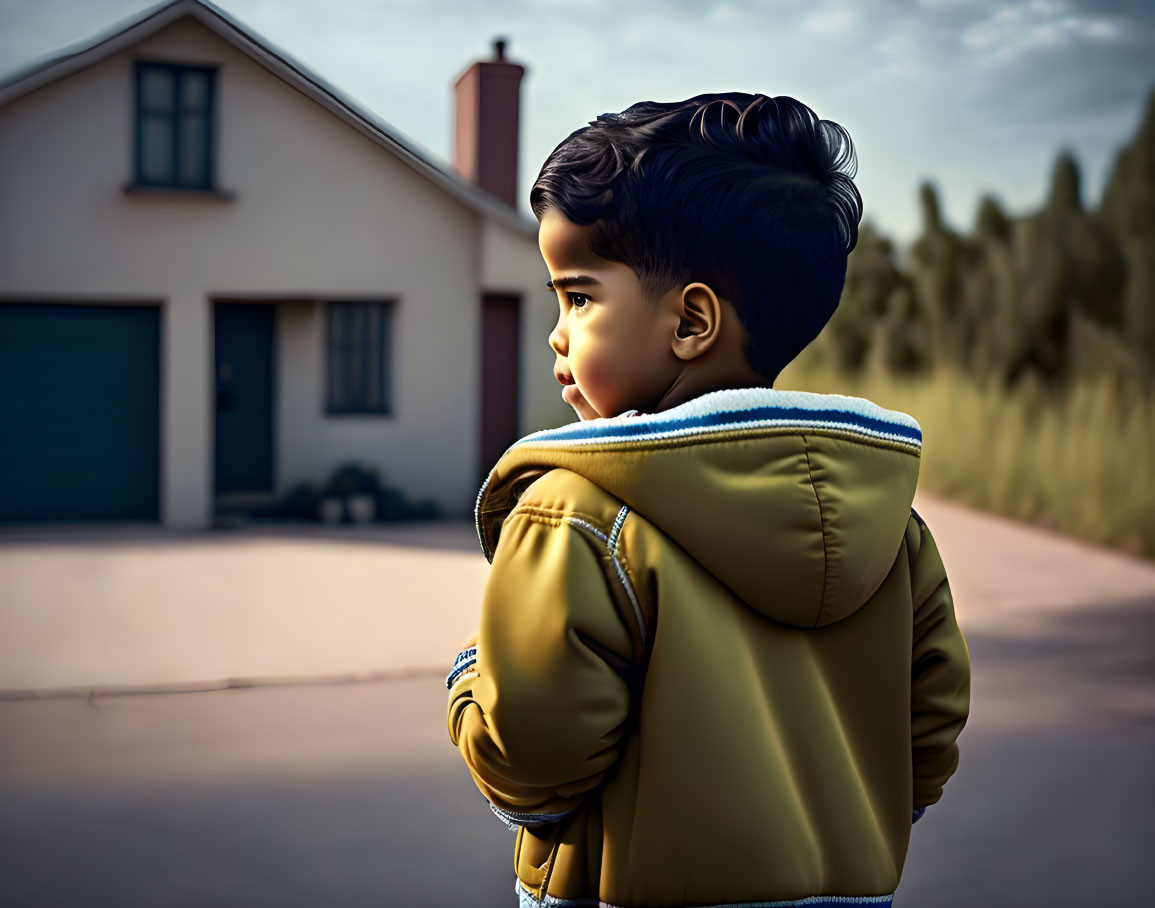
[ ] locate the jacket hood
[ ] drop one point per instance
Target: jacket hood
(795, 501)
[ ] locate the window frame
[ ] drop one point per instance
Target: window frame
(339, 358)
(178, 70)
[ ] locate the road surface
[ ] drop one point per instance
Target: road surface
(351, 795)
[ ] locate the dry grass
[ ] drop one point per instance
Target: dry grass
(1081, 461)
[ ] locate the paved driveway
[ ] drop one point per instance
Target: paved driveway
(350, 794)
(142, 607)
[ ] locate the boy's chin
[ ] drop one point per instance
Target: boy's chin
(572, 396)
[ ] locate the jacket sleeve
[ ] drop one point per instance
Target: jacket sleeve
(538, 709)
(940, 672)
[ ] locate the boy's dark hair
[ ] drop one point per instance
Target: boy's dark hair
(751, 195)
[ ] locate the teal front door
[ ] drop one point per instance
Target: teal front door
(244, 397)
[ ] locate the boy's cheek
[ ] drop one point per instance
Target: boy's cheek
(596, 382)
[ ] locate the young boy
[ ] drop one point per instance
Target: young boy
(718, 662)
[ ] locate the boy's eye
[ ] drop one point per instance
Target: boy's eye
(578, 300)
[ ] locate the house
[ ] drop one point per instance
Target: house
(221, 277)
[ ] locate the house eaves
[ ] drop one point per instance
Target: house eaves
(123, 36)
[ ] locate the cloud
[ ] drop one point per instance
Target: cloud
(899, 52)
(832, 18)
(1012, 31)
(724, 13)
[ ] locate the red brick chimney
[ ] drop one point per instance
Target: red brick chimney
(486, 127)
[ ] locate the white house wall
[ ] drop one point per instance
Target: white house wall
(320, 212)
(509, 264)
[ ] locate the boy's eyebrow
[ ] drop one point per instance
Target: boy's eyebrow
(573, 280)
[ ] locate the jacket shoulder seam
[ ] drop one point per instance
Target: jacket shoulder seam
(532, 493)
(582, 522)
(622, 566)
(556, 516)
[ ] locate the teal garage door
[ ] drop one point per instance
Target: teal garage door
(79, 412)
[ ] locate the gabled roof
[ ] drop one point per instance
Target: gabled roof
(132, 31)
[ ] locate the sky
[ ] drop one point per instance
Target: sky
(976, 96)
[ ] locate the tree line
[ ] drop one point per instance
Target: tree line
(1061, 293)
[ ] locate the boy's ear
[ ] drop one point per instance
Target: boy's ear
(699, 322)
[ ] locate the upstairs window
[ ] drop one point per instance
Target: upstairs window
(174, 125)
(358, 361)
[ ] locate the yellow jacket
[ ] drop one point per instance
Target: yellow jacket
(717, 661)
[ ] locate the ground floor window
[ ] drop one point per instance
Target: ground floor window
(359, 354)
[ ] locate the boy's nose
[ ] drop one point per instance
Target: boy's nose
(557, 339)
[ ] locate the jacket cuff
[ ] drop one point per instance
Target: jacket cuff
(465, 659)
(529, 820)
